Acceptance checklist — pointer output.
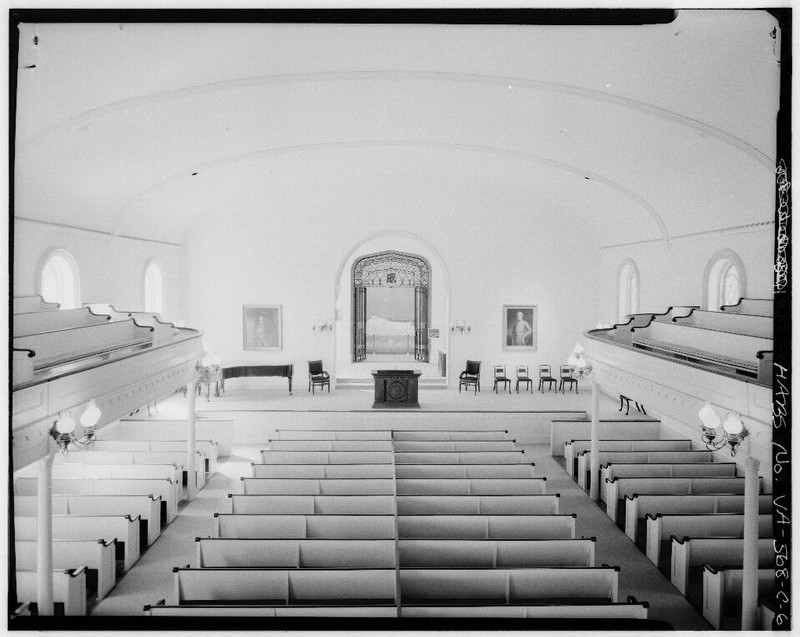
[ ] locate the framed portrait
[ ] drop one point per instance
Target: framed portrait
(520, 327)
(262, 327)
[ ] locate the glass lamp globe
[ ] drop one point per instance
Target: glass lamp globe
(90, 415)
(708, 416)
(65, 424)
(733, 425)
(581, 363)
(572, 361)
(578, 349)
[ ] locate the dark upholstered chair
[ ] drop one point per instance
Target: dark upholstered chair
(317, 377)
(470, 376)
(500, 377)
(523, 376)
(546, 376)
(565, 376)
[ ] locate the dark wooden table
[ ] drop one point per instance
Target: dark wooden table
(396, 388)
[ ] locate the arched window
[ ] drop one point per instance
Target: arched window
(628, 289)
(724, 280)
(59, 281)
(154, 287)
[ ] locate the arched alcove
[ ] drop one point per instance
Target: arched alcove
(412, 248)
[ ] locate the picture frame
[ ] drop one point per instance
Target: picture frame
(262, 327)
(520, 327)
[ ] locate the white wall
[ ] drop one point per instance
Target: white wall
(673, 274)
(293, 256)
(111, 269)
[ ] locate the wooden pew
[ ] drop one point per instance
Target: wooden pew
(60, 347)
(123, 528)
(460, 553)
(323, 471)
(547, 504)
(462, 457)
(311, 486)
(608, 610)
(432, 446)
(735, 353)
(433, 435)
(508, 586)
(614, 457)
(639, 505)
(313, 504)
(722, 594)
(32, 304)
(335, 434)
(465, 471)
(330, 445)
(690, 553)
(664, 470)
(756, 307)
(562, 431)
(28, 323)
(736, 323)
(300, 553)
(79, 470)
(146, 507)
(219, 430)
(279, 527)
(767, 611)
(471, 486)
(572, 448)
(165, 489)
(285, 587)
(69, 589)
(261, 610)
(178, 458)
(661, 528)
(618, 488)
(486, 527)
(208, 448)
(326, 457)
(95, 555)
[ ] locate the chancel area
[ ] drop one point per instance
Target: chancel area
(341, 322)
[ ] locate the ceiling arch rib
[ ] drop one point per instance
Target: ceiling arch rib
(428, 76)
(640, 202)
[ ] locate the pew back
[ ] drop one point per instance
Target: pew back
(312, 486)
(313, 504)
(69, 589)
(547, 504)
(486, 527)
(471, 486)
(278, 526)
(723, 586)
(326, 457)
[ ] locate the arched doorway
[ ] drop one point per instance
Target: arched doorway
(391, 307)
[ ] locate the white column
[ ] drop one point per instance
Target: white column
(44, 537)
(191, 446)
(750, 563)
(594, 464)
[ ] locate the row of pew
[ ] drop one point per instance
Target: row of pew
(737, 341)
(110, 502)
(360, 523)
(685, 510)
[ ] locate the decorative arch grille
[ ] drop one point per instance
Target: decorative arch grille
(393, 270)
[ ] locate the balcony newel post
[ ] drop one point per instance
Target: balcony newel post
(191, 442)
(594, 485)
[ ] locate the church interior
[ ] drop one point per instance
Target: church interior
(433, 322)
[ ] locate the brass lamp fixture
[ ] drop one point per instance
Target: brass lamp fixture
(716, 434)
(461, 327)
(581, 367)
(63, 429)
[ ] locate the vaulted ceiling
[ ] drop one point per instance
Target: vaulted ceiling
(634, 133)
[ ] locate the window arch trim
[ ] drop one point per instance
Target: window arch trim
(66, 257)
(628, 264)
(723, 255)
(154, 263)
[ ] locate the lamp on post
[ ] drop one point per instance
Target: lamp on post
(715, 437)
(63, 429)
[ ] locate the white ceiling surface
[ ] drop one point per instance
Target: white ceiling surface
(673, 124)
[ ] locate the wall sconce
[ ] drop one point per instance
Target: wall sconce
(63, 429)
(714, 436)
(581, 367)
(460, 327)
(322, 326)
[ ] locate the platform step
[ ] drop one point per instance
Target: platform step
(431, 382)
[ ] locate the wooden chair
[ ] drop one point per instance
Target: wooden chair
(317, 377)
(565, 375)
(546, 376)
(524, 377)
(470, 376)
(501, 377)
